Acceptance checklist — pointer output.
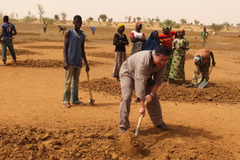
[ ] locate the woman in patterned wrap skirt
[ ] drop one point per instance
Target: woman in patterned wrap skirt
(119, 40)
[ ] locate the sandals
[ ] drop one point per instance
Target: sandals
(66, 105)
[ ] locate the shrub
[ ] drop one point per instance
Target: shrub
(217, 27)
(175, 25)
(48, 20)
(29, 19)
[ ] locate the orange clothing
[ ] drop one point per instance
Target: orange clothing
(167, 39)
(204, 53)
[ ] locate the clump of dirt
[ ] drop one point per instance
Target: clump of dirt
(27, 33)
(38, 63)
(34, 39)
(45, 47)
(38, 143)
(53, 47)
(46, 63)
(104, 54)
(104, 85)
(195, 149)
(131, 145)
(23, 52)
(101, 54)
(91, 47)
(101, 142)
(217, 93)
(214, 48)
(172, 92)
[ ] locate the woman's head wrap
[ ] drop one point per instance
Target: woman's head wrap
(120, 25)
(198, 60)
(137, 24)
(181, 30)
(164, 27)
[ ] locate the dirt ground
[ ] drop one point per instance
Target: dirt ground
(204, 124)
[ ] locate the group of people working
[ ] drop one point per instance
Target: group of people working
(149, 65)
(178, 46)
(144, 71)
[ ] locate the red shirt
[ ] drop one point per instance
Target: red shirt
(167, 39)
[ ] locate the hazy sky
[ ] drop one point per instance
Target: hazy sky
(205, 11)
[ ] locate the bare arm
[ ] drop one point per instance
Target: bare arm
(1, 35)
(14, 32)
(142, 108)
(84, 56)
(133, 39)
(213, 60)
(65, 50)
(122, 42)
(143, 39)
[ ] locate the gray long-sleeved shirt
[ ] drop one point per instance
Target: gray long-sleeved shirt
(139, 67)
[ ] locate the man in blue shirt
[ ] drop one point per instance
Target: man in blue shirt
(8, 31)
(73, 54)
(93, 29)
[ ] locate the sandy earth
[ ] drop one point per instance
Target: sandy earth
(204, 124)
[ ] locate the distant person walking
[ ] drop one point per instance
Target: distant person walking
(73, 55)
(202, 62)
(214, 33)
(137, 38)
(8, 31)
(204, 35)
(152, 42)
(44, 25)
(179, 46)
(62, 29)
(93, 29)
(167, 39)
(119, 40)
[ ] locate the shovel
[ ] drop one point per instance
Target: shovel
(91, 100)
(204, 83)
(140, 120)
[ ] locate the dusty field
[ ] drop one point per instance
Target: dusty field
(204, 124)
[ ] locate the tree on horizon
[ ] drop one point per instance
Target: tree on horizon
(196, 22)
(1, 14)
(56, 17)
(138, 19)
(102, 17)
(183, 21)
(89, 19)
(134, 20)
(29, 18)
(226, 24)
(64, 15)
(217, 27)
(157, 19)
(129, 19)
(168, 22)
(151, 20)
(40, 11)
